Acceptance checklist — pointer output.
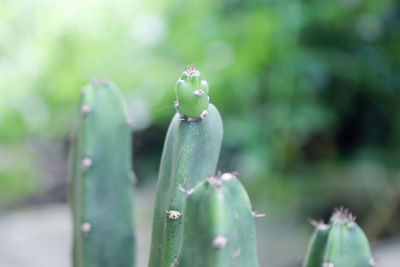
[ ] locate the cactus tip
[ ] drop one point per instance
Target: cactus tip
(219, 241)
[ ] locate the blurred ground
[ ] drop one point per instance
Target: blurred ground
(40, 237)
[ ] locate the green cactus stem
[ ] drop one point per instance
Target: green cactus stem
(342, 243)
(218, 226)
(191, 152)
(191, 95)
(100, 180)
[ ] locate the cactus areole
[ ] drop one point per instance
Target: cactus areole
(191, 95)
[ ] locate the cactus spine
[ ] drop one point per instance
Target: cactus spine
(218, 226)
(342, 243)
(100, 187)
(191, 152)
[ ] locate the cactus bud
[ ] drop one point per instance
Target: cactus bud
(191, 95)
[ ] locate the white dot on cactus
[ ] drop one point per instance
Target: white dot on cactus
(86, 227)
(227, 176)
(86, 163)
(199, 92)
(132, 177)
(219, 241)
(203, 114)
(173, 214)
(372, 262)
(176, 103)
(85, 109)
(204, 82)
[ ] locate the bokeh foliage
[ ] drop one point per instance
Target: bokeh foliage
(308, 90)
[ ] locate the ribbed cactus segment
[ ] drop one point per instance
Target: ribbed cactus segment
(191, 152)
(191, 94)
(342, 243)
(218, 226)
(316, 247)
(100, 186)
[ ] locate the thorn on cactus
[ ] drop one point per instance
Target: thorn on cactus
(219, 241)
(256, 214)
(203, 114)
(86, 163)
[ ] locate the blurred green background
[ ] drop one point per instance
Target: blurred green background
(308, 92)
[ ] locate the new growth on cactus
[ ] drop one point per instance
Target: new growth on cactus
(191, 95)
(341, 243)
(100, 188)
(218, 228)
(190, 153)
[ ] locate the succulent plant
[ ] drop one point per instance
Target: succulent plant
(191, 95)
(100, 180)
(341, 243)
(191, 152)
(218, 226)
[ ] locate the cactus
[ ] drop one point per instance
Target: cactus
(191, 152)
(191, 95)
(218, 226)
(100, 186)
(342, 243)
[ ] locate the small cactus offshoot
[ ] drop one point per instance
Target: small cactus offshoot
(191, 95)
(218, 225)
(341, 243)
